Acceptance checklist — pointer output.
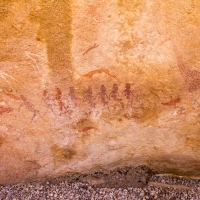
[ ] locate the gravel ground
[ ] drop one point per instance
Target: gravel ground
(159, 187)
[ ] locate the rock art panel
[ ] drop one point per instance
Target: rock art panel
(95, 85)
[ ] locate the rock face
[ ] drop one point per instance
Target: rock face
(92, 85)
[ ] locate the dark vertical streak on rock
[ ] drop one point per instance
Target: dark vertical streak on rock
(55, 21)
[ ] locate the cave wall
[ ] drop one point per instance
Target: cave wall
(94, 85)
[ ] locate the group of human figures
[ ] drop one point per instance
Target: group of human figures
(114, 95)
(102, 96)
(59, 103)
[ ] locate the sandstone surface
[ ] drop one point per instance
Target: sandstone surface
(94, 85)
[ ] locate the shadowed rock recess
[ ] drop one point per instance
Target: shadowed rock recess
(93, 86)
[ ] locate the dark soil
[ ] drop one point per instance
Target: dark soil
(119, 178)
(136, 177)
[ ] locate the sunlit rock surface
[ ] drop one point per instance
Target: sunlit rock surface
(92, 85)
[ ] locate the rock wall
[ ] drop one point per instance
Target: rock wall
(93, 85)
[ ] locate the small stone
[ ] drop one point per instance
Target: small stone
(55, 195)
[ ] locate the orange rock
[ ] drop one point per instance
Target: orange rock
(89, 85)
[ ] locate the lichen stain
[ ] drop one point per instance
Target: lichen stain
(3, 10)
(7, 29)
(63, 153)
(31, 168)
(131, 5)
(130, 11)
(192, 142)
(2, 140)
(55, 20)
(148, 116)
(5, 6)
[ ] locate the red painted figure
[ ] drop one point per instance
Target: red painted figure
(72, 95)
(128, 94)
(103, 96)
(89, 97)
(115, 95)
(28, 106)
(47, 100)
(59, 98)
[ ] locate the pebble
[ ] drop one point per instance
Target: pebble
(77, 190)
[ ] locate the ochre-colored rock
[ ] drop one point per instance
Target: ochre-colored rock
(92, 85)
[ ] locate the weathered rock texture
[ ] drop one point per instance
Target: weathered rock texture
(90, 85)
